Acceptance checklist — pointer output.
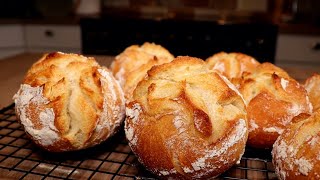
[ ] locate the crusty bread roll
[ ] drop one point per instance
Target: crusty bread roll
(68, 102)
(312, 86)
(185, 121)
(132, 64)
(232, 65)
(296, 151)
(273, 100)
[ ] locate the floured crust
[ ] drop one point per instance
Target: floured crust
(132, 64)
(68, 102)
(312, 86)
(274, 100)
(232, 65)
(296, 151)
(185, 121)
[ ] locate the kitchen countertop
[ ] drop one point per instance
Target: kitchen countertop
(14, 68)
(285, 28)
(70, 20)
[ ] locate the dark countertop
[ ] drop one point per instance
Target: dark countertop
(299, 29)
(285, 28)
(54, 20)
(70, 20)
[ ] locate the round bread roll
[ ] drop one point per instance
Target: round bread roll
(132, 64)
(68, 102)
(295, 154)
(186, 121)
(232, 65)
(312, 86)
(273, 100)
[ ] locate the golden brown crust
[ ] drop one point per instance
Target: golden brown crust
(273, 100)
(132, 64)
(232, 65)
(296, 151)
(312, 86)
(68, 102)
(185, 121)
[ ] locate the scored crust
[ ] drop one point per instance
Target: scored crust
(232, 65)
(132, 64)
(274, 100)
(68, 102)
(312, 86)
(186, 121)
(296, 151)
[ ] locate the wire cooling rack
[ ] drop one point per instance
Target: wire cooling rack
(21, 159)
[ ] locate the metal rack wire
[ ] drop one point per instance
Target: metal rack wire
(21, 159)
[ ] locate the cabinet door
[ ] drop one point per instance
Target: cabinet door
(298, 48)
(11, 40)
(48, 38)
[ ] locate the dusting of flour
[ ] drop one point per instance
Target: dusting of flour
(219, 66)
(132, 113)
(231, 86)
(304, 166)
(179, 124)
(285, 157)
(27, 95)
(253, 125)
(273, 130)
(240, 131)
(284, 83)
(112, 113)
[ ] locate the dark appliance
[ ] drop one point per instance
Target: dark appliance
(110, 36)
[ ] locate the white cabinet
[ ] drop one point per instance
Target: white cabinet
(19, 38)
(298, 48)
(11, 40)
(49, 38)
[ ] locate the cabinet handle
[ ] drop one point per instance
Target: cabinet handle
(49, 33)
(316, 46)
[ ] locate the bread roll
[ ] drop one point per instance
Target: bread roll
(296, 151)
(186, 121)
(273, 100)
(232, 65)
(312, 86)
(68, 102)
(132, 64)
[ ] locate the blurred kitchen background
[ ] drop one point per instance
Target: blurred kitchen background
(280, 31)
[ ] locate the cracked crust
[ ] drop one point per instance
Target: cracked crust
(295, 154)
(185, 121)
(312, 86)
(232, 65)
(132, 64)
(274, 100)
(86, 102)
